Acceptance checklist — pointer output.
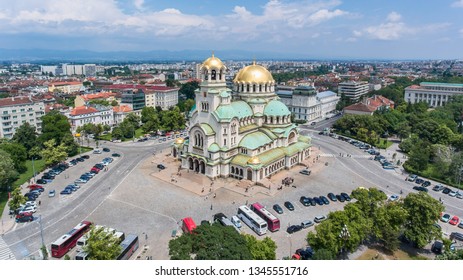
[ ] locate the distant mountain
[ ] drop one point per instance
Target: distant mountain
(35, 55)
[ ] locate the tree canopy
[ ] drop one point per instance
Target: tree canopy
(7, 172)
(102, 244)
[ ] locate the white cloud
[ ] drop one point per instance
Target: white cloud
(388, 31)
(394, 17)
(458, 4)
(138, 4)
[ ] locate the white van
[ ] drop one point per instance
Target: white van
(81, 256)
(236, 221)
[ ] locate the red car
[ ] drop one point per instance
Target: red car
(95, 169)
(454, 221)
(35, 187)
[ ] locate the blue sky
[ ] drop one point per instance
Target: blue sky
(394, 29)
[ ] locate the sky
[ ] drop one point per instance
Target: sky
(364, 29)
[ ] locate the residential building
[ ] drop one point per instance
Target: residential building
(18, 110)
(435, 94)
(120, 112)
(370, 105)
(135, 98)
(245, 133)
(164, 97)
(353, 90)
(306, 104)
(66, 87)
(83, 99)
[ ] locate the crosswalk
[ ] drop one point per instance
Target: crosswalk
(5, 252)
(345, 156)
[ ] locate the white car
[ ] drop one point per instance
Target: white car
(28, 209)
(31, 203)
(97, 151)
(236, 221)
(453, 193)
(394, 197)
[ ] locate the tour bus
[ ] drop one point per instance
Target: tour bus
(250, 218)
(273, 222)
(188, 225)
(129, 246)
(63, 244)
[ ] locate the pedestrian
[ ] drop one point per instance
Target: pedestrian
(211, 206)
(202, 190)
(215, 195)
(40, 202)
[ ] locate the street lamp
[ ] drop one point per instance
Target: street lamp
(344, 235)
(33, 168)
(41, 235)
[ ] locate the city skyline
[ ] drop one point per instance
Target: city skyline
(328, 29)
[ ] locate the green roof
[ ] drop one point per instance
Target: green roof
(248, 127)
(207, 129)
(214, 147)
(257, 101)
(224, 113)
(224, 94)
(276, 108)
(304, 139)
(269, 133)
(240, 160)
(254, 140)
(242, 109)
(271, 156)
(295, 148)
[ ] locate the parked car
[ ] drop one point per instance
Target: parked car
(420, 189)
(66, 191)
(317, 200)
(303, 254)
(81, 159)
(426, 184)
(42, 181)
(24, 218)
(106, 150)
(236, 221)
(304, 201)
(161, 166)
(445, 218)
(454, 221)
(305, 171)
(332, 197)
(95, 170)
(278, 209)
(438, 188)
(115, 155)
(80, 181)
(293, 229)
(394, 197)
(419, 181)
(324, 200)
(307, 223)
(452, 193)
(340, 198)
(437, 247)
(51, 193)
(85, 156)
(446, 190)
(412, 177)
(36, 187)
(97, 151)
(460, 225)
(457, 236)
(289, 206)
(48, 176)
(320, 218)
(346, 196)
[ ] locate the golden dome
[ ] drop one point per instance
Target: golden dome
(179, 140)
(254, 160)
(213, 62)
(254, 74)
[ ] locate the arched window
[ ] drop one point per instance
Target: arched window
(253, 88)
(213, 75)
(260, 88)
(247, 87)
(242, 87)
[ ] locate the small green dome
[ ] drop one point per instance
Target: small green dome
(242, 109)
(214, 147)
(276, 108)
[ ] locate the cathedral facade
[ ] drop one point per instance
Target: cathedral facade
(245, 133)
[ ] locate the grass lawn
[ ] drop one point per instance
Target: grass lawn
(26, 176)
(138, 133)
(374, 254)
(85, 149)
(383, 144)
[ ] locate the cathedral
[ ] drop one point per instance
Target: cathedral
(245, 133)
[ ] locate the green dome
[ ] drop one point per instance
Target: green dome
(224, 113)
(213, 148)
(276, 108)
(242, 109)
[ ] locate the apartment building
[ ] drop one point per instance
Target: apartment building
(164, 97)
(353, 90)
(18, 110)
(435, 94)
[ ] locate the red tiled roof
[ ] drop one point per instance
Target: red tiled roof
(64, 83)
(82, 110)
(9, 101)
(98, 95)
(122, 109)
(360, 107)
(143, 87)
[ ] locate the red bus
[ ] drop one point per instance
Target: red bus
(273, 223)
(69, 240)
(129, 246)
(188, 225)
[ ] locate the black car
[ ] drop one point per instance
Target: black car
(306, 254)
(85, 156)
(48, 176)
(426, 184)
(115, 155)
(340, 198)
(293, 228)
(22, 219)
(81, 159)
(346, 196)
(304, 201)
(324, 200)
(99, 166)
(161, 166)
(278, 209)
(289, 205)
(332, 197)
(419, 181)
(106, 150)
(41, 181)
(311, 201)
(446, 191)
(318, 200)
(420, 188)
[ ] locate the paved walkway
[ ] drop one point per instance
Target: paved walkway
(5, 252)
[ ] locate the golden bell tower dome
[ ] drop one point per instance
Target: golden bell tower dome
(254, 73)
(213, 62)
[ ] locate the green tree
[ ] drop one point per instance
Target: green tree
(54, 126)
(72, 148)
(387, 224)
(26, 136)
(133, 120)
(188, 89)
(16, 199)
(323, 254)
(53, 153)
(117, 133)
(17, 153)
(102, 244)
(114, 103)
(261, 249)
(210, 242)
(423, 212)
(451, 255)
